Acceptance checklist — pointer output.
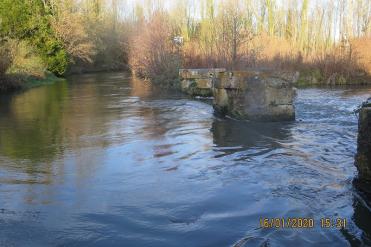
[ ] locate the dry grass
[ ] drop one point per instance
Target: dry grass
(217, 44)
(361, 48)
(334, 65)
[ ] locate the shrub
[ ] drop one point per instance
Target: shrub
(5, 62)
(361, 49)
(57, 62)
(5, 59)
(25, 60)
(50, 49)
(153, 54)
(70, 30)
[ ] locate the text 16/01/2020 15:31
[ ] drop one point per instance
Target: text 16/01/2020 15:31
(302, 223)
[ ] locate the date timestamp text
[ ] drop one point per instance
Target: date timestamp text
(302, 223)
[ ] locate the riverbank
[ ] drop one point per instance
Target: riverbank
(17, 82)
(307, 78)
(314, 77)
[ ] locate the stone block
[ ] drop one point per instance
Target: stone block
(254, 95)
(198, 82)
(199, 73)
(204, 83)
(363, 157)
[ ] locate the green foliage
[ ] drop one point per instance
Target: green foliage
(93, 35)
(57, 62)
(29, 20)
(17, 19)
(22, 67)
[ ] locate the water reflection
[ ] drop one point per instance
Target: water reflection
(30, 126)
(38, 127)
(140, 88)
(38, 124)
(105, 160)
(231, 136)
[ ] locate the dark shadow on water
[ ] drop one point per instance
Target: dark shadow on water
(232, 135)
(361, 218)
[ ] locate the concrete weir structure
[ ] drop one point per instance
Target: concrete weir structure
(363, 158)
(198, 82)
(251, 95)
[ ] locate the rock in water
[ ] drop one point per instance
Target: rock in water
(255, 95)
(363, 158)
(251, 95)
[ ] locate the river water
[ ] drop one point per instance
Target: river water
(105, 160)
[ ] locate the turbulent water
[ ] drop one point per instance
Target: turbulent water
(105, 160)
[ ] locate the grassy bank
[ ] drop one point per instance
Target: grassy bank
(15, 82)
(314, 77)
(49, 78)
(21, 67)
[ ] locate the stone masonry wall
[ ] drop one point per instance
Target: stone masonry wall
(363, 158)
(254, 95)
(198, 82)
(251, 95)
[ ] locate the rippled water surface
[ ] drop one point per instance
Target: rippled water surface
(105, 160)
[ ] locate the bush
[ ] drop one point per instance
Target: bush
(153, 54)
(361, 49)
(25, 60)
(5, 59)
(57, 62)
(70, 29)
(50, 49)
(29, 21)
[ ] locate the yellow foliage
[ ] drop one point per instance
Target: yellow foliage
(25, 60)
(70, 29)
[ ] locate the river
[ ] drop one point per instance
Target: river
(106, 160)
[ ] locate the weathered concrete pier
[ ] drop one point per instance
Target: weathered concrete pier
(252, 95)
(198, 82)
(363, 158)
